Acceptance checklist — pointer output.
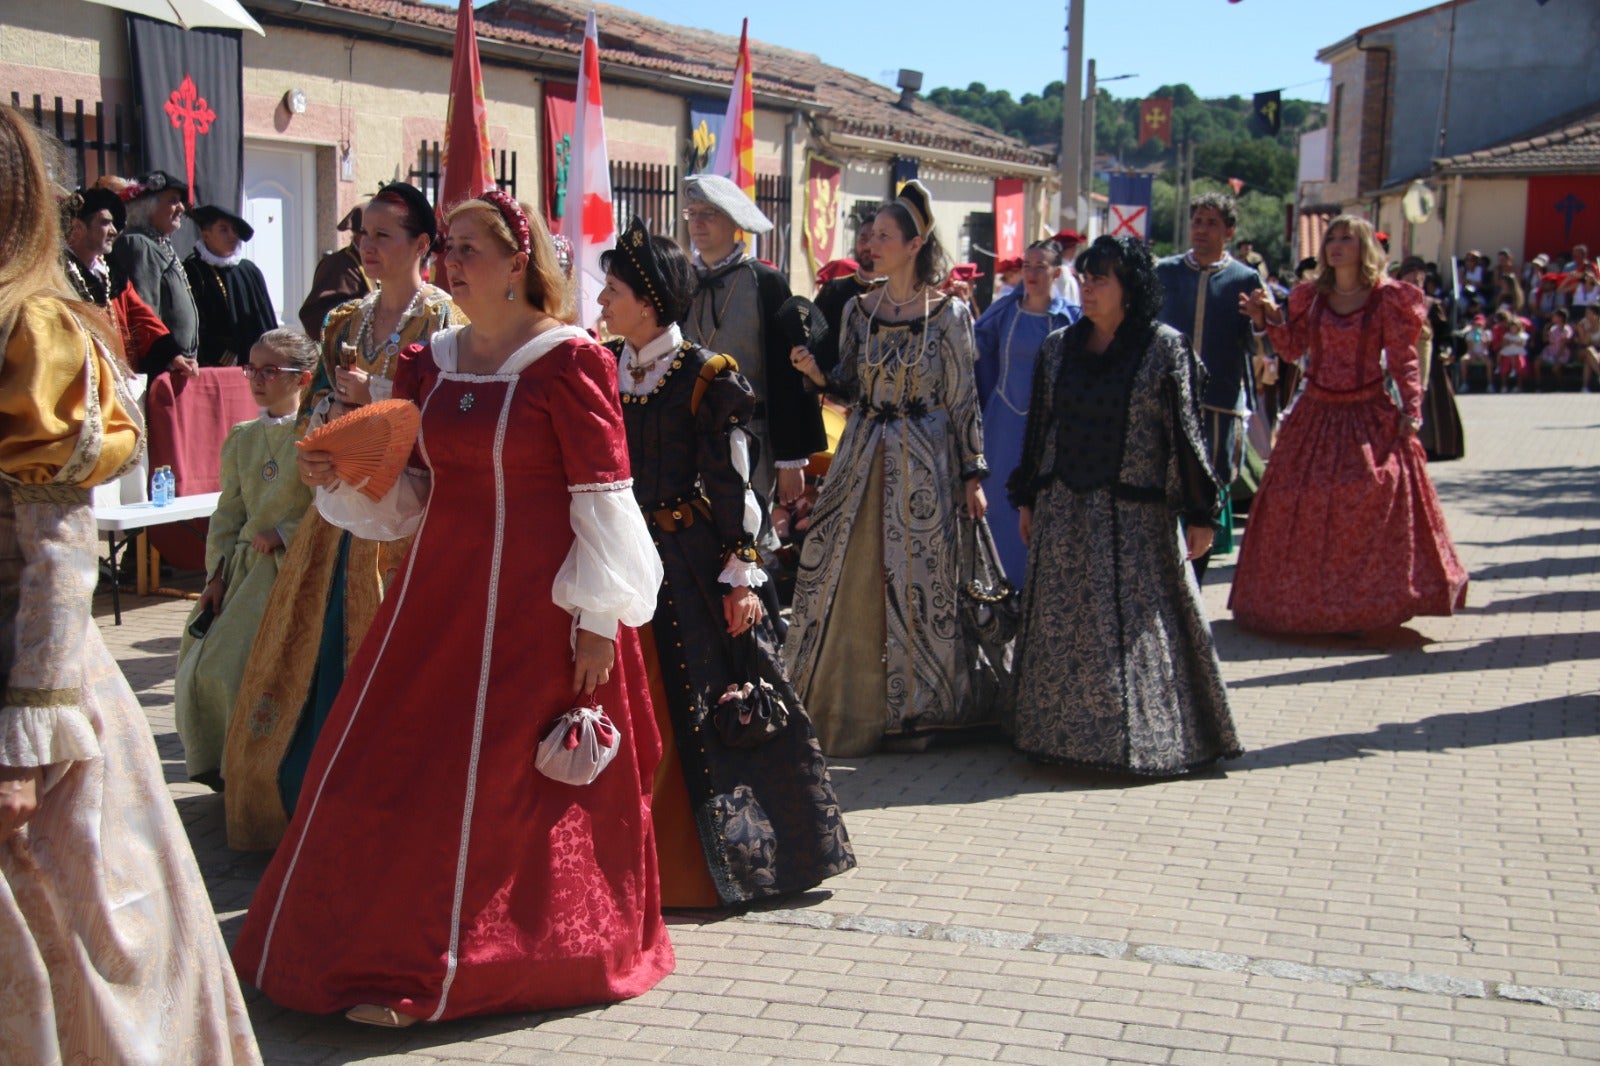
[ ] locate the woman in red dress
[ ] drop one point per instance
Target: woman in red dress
(430, 871)
(1346, 533)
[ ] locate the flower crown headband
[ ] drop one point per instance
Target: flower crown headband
(516, 219)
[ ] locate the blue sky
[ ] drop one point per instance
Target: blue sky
(1219, 48)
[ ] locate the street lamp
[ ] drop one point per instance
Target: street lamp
(1087, 180)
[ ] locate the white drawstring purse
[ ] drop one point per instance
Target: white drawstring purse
(579, 745)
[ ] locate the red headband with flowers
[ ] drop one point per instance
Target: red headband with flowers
(516, 218)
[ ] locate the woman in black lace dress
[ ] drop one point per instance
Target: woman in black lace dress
(732, 825)
(1115, 665)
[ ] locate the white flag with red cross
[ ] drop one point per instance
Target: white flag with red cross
(592, 227)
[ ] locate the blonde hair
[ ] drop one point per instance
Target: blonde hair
(30, 229)
(1373, 259)
(546, 286)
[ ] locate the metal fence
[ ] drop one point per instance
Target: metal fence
(648, 190)
(428, 171)
(96, 144)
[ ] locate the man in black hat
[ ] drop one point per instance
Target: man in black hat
(338, 278)
(145, 256)
(229, 290)
(94, 218)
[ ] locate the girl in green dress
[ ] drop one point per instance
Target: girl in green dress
(262, 503)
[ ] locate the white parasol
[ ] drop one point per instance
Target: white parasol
(191, 14)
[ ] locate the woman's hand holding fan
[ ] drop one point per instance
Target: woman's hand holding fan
(367, 448)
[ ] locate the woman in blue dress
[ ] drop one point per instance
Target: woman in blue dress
(1009, 335)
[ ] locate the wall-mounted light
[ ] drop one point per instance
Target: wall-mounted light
(294, 101)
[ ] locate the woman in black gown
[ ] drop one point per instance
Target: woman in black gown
(733, 824)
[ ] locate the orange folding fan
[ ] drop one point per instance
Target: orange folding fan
(369, 445)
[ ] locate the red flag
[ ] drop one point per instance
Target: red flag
(1155, 119)
(465, 169)
(590, 221)
(1237, 185)
(736, 148)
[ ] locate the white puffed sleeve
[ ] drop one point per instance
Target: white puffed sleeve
(613, 573)
(394, 517)
(738, 572)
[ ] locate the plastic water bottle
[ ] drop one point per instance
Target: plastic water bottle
(160, 490)
(169, 490)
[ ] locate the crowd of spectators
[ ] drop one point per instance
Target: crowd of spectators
(1504, 327)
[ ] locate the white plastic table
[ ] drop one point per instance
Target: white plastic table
(129, 521)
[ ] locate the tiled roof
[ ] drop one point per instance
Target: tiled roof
(842, 101)
(1570, 144)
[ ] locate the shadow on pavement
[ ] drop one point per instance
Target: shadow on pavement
(1561, 717)
(1566, 538)
(1540, 492)
(1496, 653)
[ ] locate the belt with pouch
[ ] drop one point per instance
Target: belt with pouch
(673, 515)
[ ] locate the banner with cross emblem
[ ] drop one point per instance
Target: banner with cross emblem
(1130, 205)
(1155, 119)
(189, 85)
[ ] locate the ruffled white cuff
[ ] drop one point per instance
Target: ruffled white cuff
(45, 736)
(613, 573)
(394, 517)
(740, 574)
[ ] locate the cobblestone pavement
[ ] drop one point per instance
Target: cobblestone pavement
(1401, 870)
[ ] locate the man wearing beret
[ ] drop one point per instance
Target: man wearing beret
(94, 218)
(145, 256)
(734, 312)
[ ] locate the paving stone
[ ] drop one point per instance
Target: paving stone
(1407, 851)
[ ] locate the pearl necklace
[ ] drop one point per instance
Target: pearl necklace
(907, 302)
(391, 347)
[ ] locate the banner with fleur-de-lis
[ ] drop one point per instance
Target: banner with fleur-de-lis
(189, 85)
(705, 126)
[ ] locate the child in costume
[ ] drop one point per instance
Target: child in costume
(262, 502)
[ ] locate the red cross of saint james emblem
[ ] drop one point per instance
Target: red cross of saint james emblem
(189, 112)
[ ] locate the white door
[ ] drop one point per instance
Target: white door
(280, 202)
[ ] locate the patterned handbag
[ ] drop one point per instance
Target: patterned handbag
(751, 712)
(991, 614)
(990, 605)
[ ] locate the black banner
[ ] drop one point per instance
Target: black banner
(1266, 113)
(190, 86)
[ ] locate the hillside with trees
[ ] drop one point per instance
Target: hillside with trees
(1219, 127)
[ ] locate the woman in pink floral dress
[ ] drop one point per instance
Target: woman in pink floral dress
(1346, 532)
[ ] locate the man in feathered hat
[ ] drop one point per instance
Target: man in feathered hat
(734, 312)
(145, 256)
(94, 218)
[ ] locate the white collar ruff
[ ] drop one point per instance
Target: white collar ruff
(209, 257)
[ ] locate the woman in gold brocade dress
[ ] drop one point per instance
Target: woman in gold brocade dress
(109, 950)
(331, 582)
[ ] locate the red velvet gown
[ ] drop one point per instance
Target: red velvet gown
(1346, 532)
(429, 867)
